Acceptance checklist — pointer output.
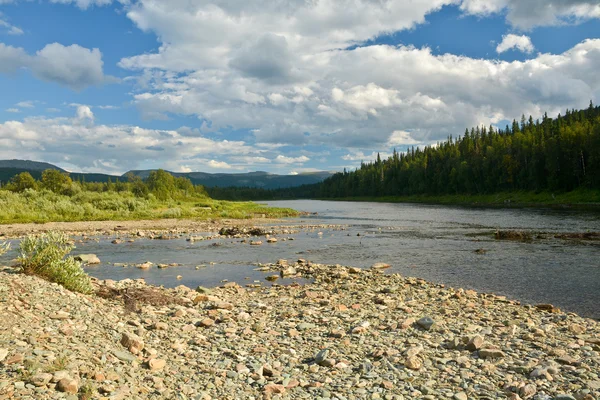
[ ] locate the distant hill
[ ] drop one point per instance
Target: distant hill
(259, 179)
(27, 165)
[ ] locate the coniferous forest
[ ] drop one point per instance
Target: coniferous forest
(550, 154)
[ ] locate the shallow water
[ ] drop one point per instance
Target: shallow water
(436, 243)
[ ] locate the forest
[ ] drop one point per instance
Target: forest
(545, 155)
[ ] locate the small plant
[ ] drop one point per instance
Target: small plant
(4, 247)
(86, 392)
(44, 256)
(59, 364)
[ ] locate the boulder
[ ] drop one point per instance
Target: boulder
(87, 259)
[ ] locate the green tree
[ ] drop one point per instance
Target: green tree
(55, 180)
(22, 181)
(161, 184)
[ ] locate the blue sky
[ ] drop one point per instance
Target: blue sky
(232, 86)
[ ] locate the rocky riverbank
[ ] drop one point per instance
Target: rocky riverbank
(126, 227)
(352, 334)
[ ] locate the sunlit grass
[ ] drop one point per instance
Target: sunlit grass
(45, 206)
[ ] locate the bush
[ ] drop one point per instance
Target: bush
(44, 256)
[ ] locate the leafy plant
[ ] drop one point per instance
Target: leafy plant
(46, 256)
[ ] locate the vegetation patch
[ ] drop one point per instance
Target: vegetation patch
(46, 256)
(56, 197)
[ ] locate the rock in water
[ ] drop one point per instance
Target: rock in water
(380, 265)
(87, 259)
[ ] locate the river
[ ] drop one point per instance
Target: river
(436, 243)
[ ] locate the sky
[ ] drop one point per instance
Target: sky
(284, 86)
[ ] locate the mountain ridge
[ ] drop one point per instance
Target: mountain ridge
(257, 179)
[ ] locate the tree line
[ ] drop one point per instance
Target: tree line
(160, 184)
(549, 154)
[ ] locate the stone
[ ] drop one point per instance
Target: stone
(124, 356)
(528, 391)
(491, 353)
(41, 379)
(460, 396)
(289, 271)
(321, 356)
(3, 354)
(425, 323)
(87, 259)
(207, 322)
(68, 385)
(222, 305)
(146, 265)
(475, 343)
(380, 265)
(156, 364)
(414, 363)
(274, 389)
(132, 342)
(407, 323)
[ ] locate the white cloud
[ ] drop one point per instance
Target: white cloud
(401, 138)
(91, 147)
(10, 29)
(73, 66)
(527, 14)
(13, 110)
(84, 114)
(26, 104)
(281, 159)
(218, 165)
(512, 41)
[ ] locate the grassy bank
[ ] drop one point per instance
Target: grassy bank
(576, 198)
(46, 206)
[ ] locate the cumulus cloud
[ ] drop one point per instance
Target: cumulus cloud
(84, 114)
(512, 41)
(79, 143)
(281, 159)
(73, 66)
(531, 13)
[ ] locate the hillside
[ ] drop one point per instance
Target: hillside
(258, 179)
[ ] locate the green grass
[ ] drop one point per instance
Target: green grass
(45, 206)
(577, 198)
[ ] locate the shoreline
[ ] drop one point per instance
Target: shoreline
(353, 333)
(472, 202)
(19, 230)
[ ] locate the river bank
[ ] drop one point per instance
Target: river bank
(128, 227)
(352, 334)
(579, 199)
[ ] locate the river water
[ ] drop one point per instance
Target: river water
(437, 243)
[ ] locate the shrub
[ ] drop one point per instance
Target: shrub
(44, 256)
